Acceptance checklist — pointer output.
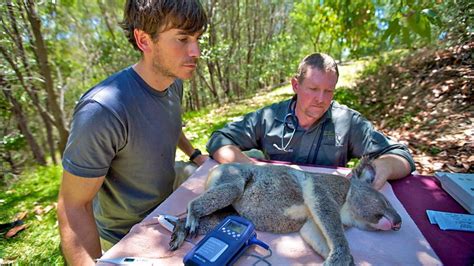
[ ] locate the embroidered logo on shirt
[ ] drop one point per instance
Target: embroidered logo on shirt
(331, 135)
(338, 140)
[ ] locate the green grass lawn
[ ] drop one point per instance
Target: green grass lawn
(36, 189)
(35, 193)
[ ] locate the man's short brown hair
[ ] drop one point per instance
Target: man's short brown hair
(155, 16)
(319, 61)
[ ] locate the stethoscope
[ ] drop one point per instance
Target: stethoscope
(290, 121)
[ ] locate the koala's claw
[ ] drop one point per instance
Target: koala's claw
(192, 232)
(179, 234)
(192, 225)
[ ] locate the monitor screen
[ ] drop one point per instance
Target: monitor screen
(236, 227)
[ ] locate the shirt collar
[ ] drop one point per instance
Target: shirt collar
(284, 109)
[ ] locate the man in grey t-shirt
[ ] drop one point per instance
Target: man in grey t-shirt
(119, 159)
(311, 128)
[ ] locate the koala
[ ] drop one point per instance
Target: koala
(281, 199)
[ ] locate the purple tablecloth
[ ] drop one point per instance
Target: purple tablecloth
(420, 193)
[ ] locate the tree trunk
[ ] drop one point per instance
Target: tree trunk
(105, 15)
(32, 93)
(195, 94)
(20, 117)
(42, 57)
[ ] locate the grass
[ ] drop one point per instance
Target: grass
(39, 242)
(38, 187)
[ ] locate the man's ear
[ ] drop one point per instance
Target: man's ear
(294, 85)
(143, 40)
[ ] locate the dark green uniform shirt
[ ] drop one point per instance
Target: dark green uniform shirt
(340, 135)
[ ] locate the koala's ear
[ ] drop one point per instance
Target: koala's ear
(364, 171)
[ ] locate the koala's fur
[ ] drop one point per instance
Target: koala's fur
(280, 199)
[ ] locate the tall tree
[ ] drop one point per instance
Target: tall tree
(22, 121)
(41, 54)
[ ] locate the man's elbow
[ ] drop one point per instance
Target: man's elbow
(225, 154)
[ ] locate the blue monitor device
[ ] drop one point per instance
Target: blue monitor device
(225, 243)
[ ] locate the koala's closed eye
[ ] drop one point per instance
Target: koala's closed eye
(379, 216)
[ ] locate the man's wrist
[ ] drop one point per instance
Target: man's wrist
(195, 154)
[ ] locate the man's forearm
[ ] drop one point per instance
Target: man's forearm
(230, 153)
(79, 237)
(184, 144)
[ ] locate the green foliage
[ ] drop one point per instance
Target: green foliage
(13, 142)
(457, 20)
(39, 242)
(410, 19)
(346, 96)
(249, 45)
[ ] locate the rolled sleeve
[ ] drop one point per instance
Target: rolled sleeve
(95, 138)
(403, 152)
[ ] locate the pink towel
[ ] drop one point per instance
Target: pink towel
(404, 247)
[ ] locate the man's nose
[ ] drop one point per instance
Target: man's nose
(194, 50)
(319, 96)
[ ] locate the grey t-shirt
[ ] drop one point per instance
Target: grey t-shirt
(124, 129)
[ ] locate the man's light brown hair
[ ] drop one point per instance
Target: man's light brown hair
(155, 16)
(319, 61)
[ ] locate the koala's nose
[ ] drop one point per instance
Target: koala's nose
(396, 226)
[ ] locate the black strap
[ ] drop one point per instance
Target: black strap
(195, 154)
(315, 157)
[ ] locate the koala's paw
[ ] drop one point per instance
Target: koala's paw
(179, 234)
(192, 224)
(339, 258)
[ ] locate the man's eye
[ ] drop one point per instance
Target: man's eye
(183, 40)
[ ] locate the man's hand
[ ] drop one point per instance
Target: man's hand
(380, 178)
(389, 167)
